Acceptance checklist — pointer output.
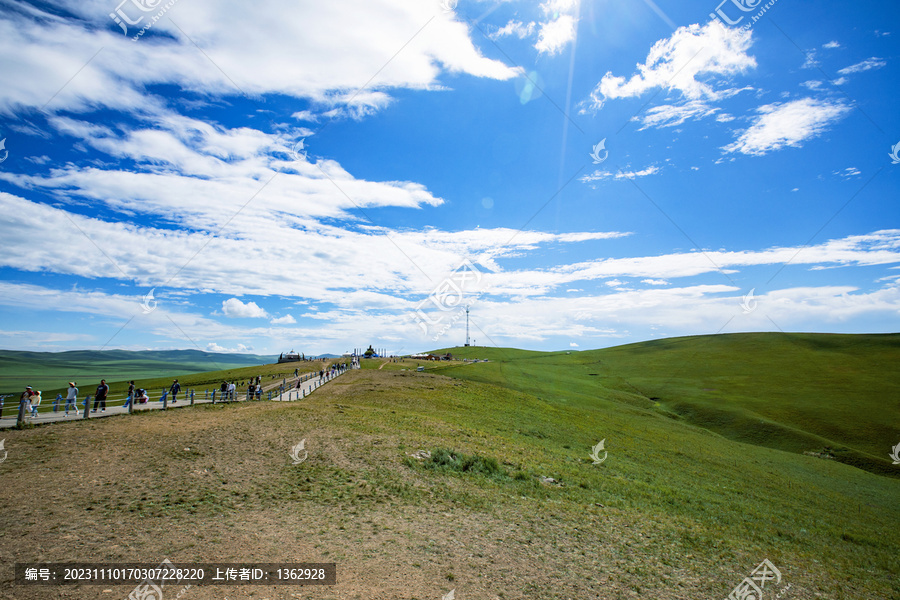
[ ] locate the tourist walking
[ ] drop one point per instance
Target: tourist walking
(35, 402)
(71, 396)
(129, 399)
(26, 398)
(176, 387)
(100, 396)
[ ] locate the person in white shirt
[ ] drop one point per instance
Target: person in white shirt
(71, 396)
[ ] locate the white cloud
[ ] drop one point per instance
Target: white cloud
(516, 29)
(655, 281)
(561, 26)
(812, 85)
(685, 62)
(239, 349)
(300, 50)
(602, 175)
(306, 115)
(831, 45)
(673, 115)
(556, 34)
(235, 309)
(573, 345)
(866, 65)
(517, 308)
(219, 169)
(787, 124)
(249, 258)
(285, 320)
(848, 172)
(811, 61)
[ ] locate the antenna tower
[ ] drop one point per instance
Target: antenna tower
(467, 324)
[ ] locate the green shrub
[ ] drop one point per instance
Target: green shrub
(446, 460)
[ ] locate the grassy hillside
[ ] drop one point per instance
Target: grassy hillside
(271, 375)
(836, 396)
(674, 512)
(51, 370)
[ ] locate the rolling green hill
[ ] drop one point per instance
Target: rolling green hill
(834, 396)
(51, 370)
(508, 504)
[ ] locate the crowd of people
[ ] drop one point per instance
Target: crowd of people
(227, 392)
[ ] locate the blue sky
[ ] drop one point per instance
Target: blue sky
(271, 176)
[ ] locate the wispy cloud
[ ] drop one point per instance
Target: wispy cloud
(514, 29)
(787, 124)
(866, 65)
(602, 175)
(673, 115)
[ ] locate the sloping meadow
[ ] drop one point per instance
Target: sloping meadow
(417, 484)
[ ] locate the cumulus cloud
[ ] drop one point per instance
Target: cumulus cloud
(285, 320)
(235, 309)
(560, 28)
(787, 124)
(556, 34)
(685, 62)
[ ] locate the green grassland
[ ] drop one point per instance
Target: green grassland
(52, 370)
(837, 396)
(704, 436)
(155, 380)
(684, 506)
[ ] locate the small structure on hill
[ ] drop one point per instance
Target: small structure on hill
(291, 357)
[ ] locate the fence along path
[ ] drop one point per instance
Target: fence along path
(290, 389)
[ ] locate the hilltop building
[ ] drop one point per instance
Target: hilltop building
(291, 357)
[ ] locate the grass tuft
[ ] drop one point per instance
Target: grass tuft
(446, 460)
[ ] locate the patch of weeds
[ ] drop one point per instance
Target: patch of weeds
(446, 460)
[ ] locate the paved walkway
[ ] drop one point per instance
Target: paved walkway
(305, 389)
(311, 383)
